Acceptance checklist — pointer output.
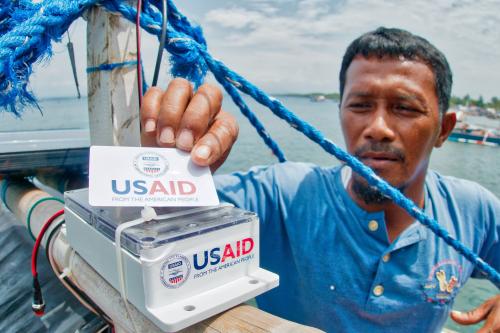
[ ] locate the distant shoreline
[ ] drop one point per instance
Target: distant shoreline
(480, 107)
(313, 95)
(491, 109)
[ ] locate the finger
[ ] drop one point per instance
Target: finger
(149, 115)
(471, 317)
(202, 108)
(173, 105)
(219, 139)
(492, 324)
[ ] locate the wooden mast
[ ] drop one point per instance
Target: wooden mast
(112, 95)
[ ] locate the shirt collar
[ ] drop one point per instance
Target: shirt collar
(414, 233)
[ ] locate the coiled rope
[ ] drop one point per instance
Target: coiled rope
(31, 28)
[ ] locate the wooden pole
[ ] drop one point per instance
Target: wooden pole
(112, 95)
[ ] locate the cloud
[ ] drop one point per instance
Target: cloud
(286, 45)
(239, 18)
(305, 39)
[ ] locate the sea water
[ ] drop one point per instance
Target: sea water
(474, 162)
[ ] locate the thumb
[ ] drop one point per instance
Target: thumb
(473, 316)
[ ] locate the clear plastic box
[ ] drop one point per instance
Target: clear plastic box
(177, 223)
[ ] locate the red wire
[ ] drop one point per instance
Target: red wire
(38, 241)
(138, 39)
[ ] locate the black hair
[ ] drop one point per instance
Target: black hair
(394, 43)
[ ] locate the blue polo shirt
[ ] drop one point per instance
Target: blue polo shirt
(338, 270)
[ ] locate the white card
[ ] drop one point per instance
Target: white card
(137, 176)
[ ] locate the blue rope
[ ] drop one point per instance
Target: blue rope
(31, 27)
(186, 58)
(252, 118)
(187, 46)
(110, 67)
(221, 72)
(6, 9)
(29, 40)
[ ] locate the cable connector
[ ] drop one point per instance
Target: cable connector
(38, 305)
(148, 213)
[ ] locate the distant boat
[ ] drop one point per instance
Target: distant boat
(318, 98)
(477, 135)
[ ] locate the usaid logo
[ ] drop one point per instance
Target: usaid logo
(217, 255)
(175, 271)
(150, 164)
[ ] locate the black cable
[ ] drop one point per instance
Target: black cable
(77, 290)
(49, 238)
(162, 42)
(87, 299)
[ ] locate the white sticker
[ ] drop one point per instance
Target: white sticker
(136, 176)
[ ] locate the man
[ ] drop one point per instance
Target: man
(349, 259)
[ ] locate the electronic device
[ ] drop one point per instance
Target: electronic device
(183, 266)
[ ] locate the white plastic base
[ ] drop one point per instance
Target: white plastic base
(206, 291)
(185, 313)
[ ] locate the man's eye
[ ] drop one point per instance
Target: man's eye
(359, 106)
(406, 108)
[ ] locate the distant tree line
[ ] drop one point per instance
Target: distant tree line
(334, 96)
(467, 100)
(494, 102)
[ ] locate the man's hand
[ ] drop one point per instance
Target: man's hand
(194, 123)
(489, 311)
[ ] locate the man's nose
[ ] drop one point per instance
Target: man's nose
(379, 128)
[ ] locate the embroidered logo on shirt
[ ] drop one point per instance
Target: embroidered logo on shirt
(446, 285)
(443, 282)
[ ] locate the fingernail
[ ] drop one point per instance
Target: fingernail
(203, 152)
(455, 312)
(167, 135)
(150, 125)
(185, 139)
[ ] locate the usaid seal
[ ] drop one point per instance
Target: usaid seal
(175, 271)
(151, 164)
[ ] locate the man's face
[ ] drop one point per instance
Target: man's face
(390, 117)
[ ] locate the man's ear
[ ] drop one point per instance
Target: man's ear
(447, 124)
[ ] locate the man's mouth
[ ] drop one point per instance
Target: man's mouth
(380, 155)
(378, 160)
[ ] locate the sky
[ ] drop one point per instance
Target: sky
(297, 46)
